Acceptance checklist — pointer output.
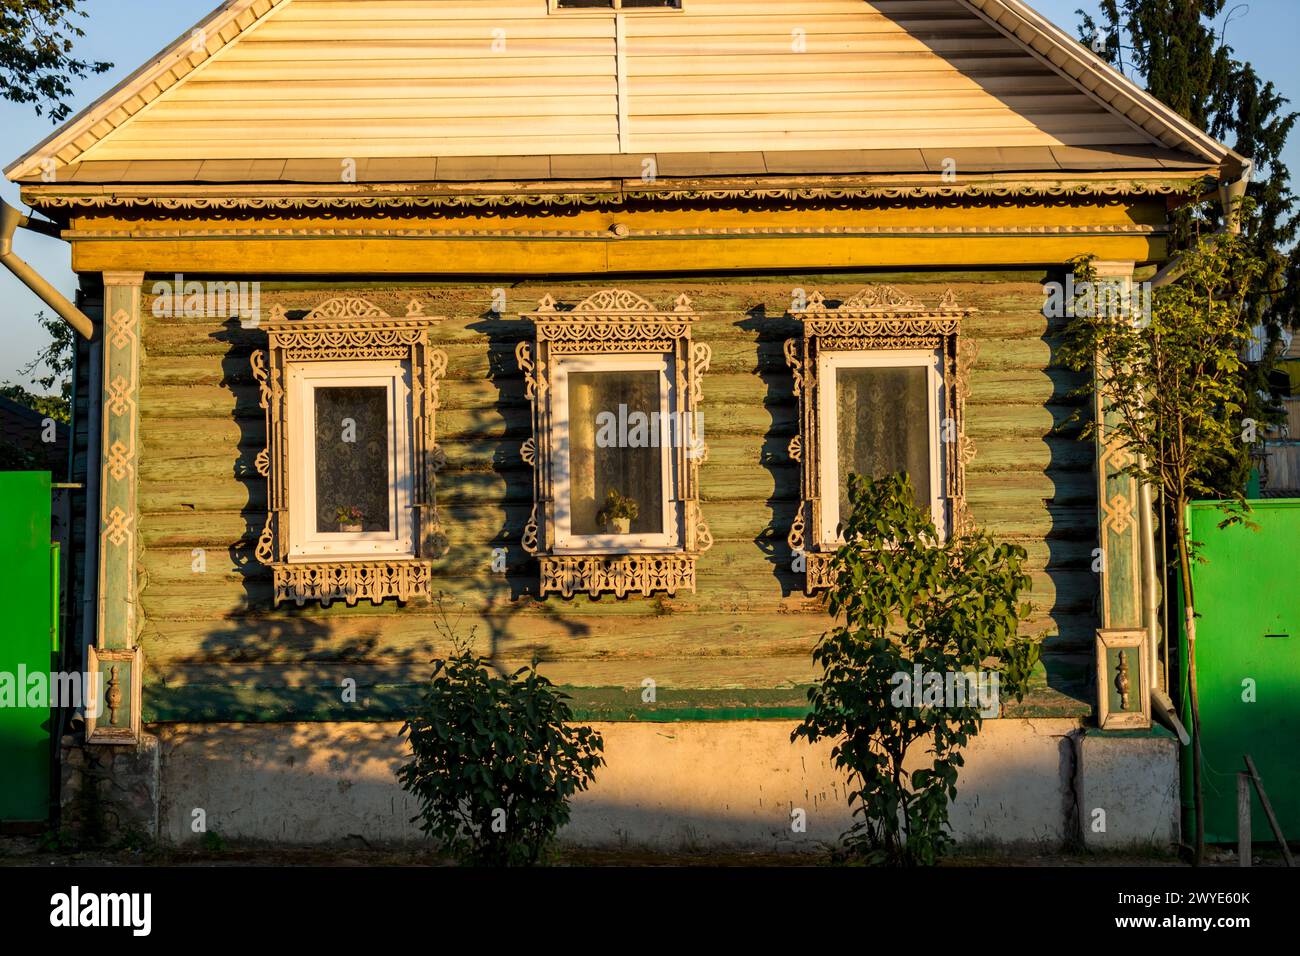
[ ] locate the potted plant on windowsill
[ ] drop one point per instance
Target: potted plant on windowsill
(350, 519)
(618, 514)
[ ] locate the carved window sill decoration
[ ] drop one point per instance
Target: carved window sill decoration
(617, 446)
(887, 377)
(350, 395)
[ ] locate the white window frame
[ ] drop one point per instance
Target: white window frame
(566, 542)
(828, 365)
(308, 544)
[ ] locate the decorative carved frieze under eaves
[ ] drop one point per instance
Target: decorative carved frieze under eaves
(746, 232)
(485, 197)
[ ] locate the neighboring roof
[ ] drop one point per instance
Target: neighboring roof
(23, 428)
(269, 91)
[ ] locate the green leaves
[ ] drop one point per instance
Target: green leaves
(36, 65)
(1174, 387)
(905, 603)
(495, 760)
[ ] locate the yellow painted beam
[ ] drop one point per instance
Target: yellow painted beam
(437, 256)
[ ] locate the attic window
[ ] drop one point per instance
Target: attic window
(881, 383)
(617, 446)
(626, 6)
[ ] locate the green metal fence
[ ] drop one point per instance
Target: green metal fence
(28, 644)
(1247, 593)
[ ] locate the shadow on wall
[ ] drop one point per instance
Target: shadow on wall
(770, 334)
(1072, 532)
(317, 649)
(740, 784)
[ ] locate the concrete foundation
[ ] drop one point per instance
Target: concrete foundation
(1128, 791)
(110, 793)
(670, 786)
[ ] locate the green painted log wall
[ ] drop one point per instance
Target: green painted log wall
(214, 645)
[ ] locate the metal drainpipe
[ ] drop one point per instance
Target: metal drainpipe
(1229, 193)
(10, 220)
(1162, 706)
(1149, 603)
(90, 570)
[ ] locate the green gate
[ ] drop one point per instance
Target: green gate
(28, 642)
(1248, 663)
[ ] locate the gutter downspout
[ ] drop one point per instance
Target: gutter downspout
(1230, 193)
(1162, 706)
(10, 220)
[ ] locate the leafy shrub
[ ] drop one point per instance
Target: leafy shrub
(495, 761)
(902, 599)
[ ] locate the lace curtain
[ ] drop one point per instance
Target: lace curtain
(883, 426)
(612, 448)
(352, 456)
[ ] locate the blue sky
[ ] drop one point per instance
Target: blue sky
(128, 32)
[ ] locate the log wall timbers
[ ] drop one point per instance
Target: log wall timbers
(116, 655)
(180, 384)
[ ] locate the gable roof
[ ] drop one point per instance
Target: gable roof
(1076, 61)
(283, 90)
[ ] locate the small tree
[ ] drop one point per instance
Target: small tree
(904, 600)
(58, 359)
(1173, 392)
(36, 61)
(495, 759)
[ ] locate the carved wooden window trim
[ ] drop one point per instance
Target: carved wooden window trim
(349, 329)
(878, 318)
(613, 322)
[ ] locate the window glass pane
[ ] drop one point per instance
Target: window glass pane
(352, 457)
(615, 446)
(883, 425)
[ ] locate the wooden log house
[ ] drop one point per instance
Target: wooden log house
(812, 234)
